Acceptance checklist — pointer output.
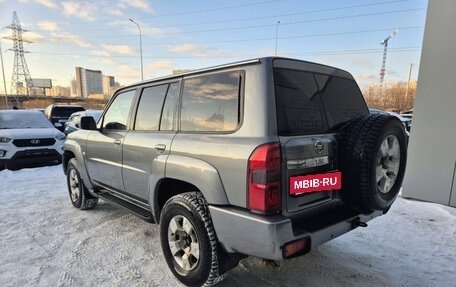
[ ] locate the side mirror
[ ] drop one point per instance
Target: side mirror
(87, 123)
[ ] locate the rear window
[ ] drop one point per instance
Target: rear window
(301, 96)
(65, 112)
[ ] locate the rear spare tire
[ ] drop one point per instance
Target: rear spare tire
(372, 160)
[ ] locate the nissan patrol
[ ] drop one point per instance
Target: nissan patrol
(268, 157)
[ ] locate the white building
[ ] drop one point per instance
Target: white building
(431, 165)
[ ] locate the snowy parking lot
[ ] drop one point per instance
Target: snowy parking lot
(47, 242)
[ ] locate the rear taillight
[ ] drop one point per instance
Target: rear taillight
(264, 179)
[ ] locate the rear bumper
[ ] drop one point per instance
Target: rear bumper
(240, 231)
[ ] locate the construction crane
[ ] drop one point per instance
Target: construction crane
(385, 48)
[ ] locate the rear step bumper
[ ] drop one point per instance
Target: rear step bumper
(241, 231)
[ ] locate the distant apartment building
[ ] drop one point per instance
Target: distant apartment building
(92, 84)
(88, 82)
(57, 91)
(109, 86)
(74, 88)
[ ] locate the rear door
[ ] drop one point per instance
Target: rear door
(312, 103)
(147, 145)
(104, 146)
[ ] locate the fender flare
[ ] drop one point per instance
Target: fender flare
(73, 147)
(199, 173)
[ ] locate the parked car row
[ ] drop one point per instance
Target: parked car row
(59, 114)
(35, 137)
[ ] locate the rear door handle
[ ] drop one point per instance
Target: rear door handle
(160, 147)
(117, 142)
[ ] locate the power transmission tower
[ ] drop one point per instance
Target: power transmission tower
(21, 75)
(385, 48)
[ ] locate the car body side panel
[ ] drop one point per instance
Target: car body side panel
(227, 154)
(199, 173)
(140, 150)
(159, 167)
(104, 158)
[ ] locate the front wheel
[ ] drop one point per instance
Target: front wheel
(79, 194)
(189, 242)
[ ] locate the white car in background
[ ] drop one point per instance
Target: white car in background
(27, 138)
(73, 122)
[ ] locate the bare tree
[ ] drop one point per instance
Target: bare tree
(392, 96)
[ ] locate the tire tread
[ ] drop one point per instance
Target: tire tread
(359, 142)
(198, 204)
(87, 200)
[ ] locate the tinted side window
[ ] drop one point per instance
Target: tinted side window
(116, 116)
(211, 102)
(167, 119)
(150, 107)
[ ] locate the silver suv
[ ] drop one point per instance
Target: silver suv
(269, 157)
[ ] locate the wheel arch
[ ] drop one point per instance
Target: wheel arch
(66, 156)
(184, 174)
(73, 150)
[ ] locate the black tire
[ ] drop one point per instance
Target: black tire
(79, 194)
(185, 223)
(372, 160)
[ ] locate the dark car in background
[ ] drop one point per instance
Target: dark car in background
(407, 114)
(73, 122)
(27, 138)
(406, 122)
(59, 114)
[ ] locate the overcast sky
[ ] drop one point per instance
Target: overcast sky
(195, 34)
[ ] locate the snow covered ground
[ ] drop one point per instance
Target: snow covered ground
(46, 242)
